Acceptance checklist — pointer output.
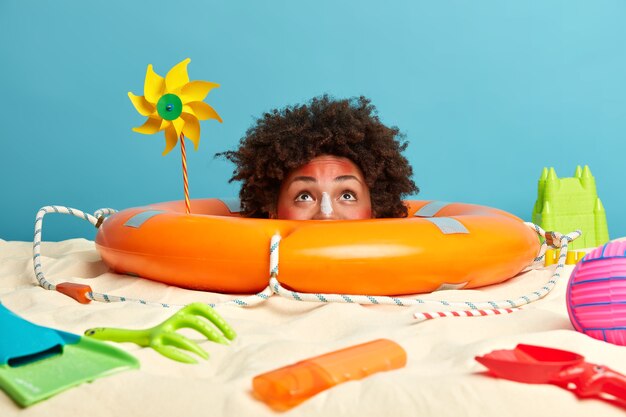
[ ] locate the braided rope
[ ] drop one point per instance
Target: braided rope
(249, 301)
(471, 309)
(37, 237)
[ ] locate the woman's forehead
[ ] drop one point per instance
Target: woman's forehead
(326, 167)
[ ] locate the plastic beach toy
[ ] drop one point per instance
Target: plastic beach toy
(289, 386)
(568, 370)
(163, 337)
(569, 204)
(38, 362)
(596, 294)
(175, 105)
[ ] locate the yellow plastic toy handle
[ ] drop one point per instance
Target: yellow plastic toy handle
(287, 387)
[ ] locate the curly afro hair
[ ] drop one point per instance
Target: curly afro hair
(285, 139)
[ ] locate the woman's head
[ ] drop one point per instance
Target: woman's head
(335, 153)
(326, 188)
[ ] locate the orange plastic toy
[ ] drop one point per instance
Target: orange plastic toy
(287, 387)
(440, 245)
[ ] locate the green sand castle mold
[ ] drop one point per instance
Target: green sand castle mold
(567, 204)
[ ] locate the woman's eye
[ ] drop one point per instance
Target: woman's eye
(304, 197)
(347, 196)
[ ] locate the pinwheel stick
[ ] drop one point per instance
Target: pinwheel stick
(185, 179)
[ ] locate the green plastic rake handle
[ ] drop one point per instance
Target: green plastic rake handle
(163, 337)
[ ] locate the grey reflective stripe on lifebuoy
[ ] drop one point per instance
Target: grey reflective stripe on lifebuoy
(447, 225)
(430, 209)
(233, 204)
(446, 286)
(140, 218)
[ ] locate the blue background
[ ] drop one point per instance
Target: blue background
(487, 92)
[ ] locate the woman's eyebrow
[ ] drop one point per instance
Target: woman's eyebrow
(304, 179)
(346, 178)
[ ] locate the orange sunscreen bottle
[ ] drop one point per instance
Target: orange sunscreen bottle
(286, 387)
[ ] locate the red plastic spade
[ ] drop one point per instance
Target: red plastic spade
(541, 365)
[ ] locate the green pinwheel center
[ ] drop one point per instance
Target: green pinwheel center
(170, 106)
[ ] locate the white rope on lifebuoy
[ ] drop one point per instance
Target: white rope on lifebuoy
(37, 237)
(470, 309)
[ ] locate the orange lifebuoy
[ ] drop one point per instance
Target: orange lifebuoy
(440, 245)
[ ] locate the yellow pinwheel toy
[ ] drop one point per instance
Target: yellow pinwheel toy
(175, 105)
